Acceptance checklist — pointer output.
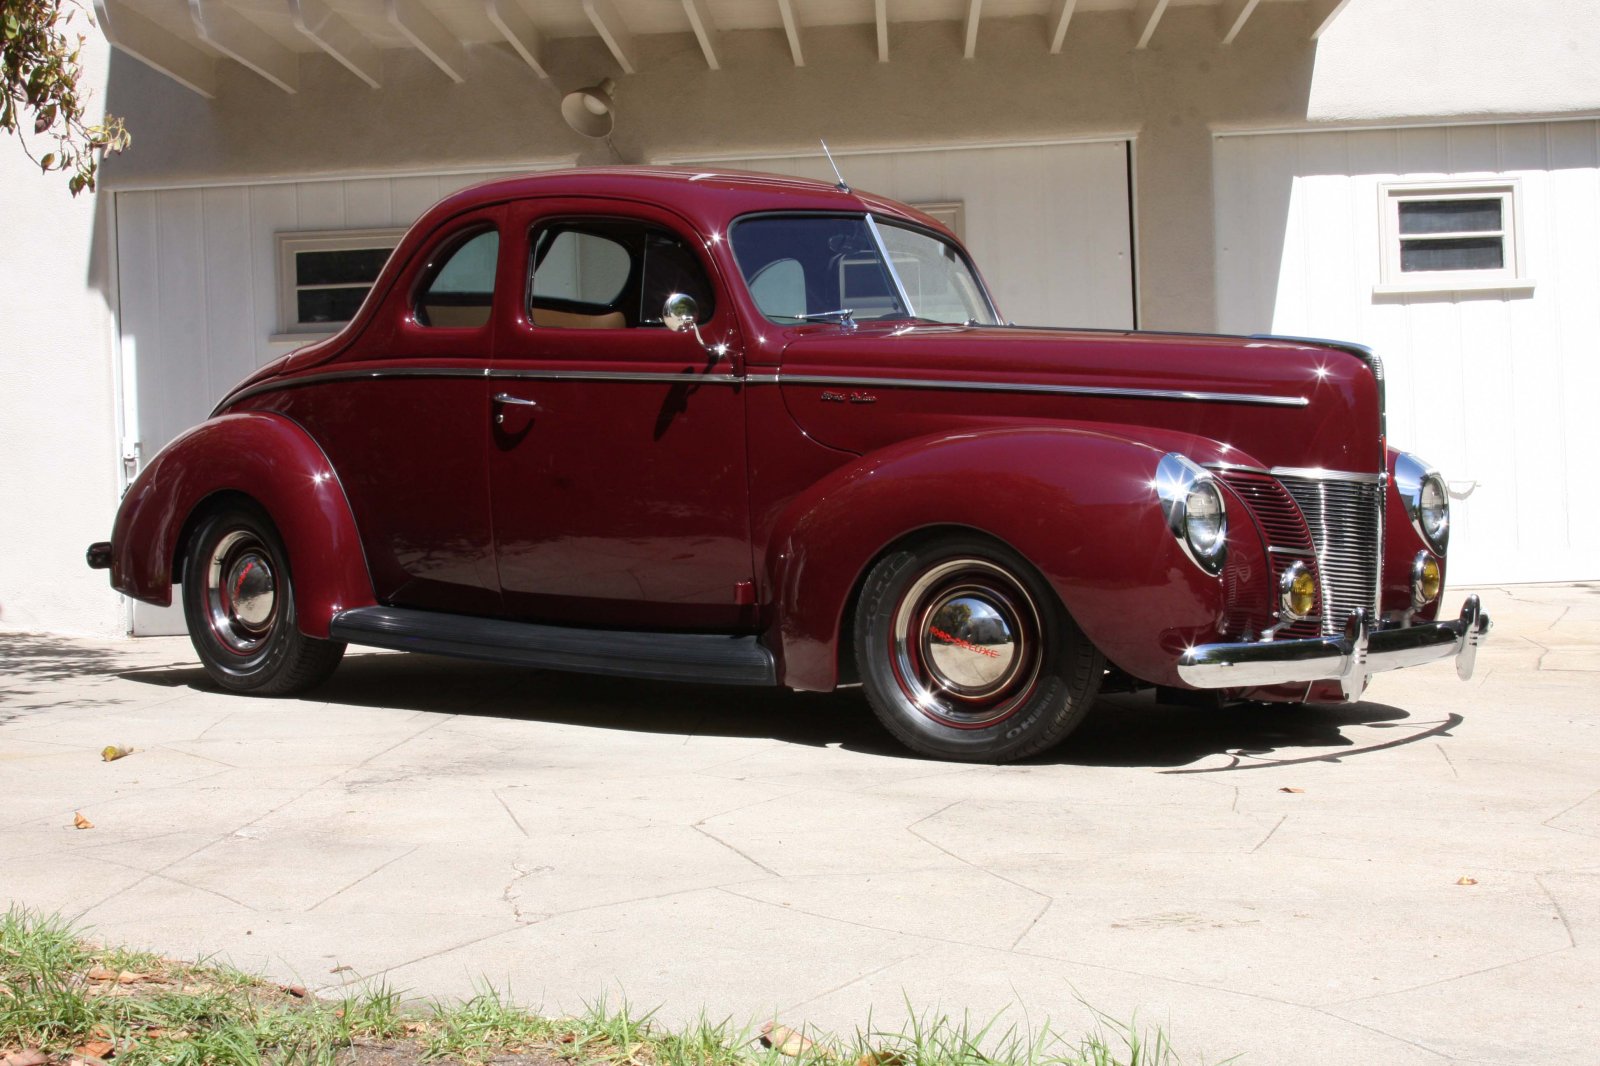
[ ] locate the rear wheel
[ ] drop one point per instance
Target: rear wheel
(238, 599)
(966, 653)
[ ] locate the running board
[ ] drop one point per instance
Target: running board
(707, 658)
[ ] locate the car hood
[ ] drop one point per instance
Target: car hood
(1269, 402)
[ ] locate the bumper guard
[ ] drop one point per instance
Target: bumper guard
(1351, 659)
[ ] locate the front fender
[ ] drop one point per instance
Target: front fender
(272, 460)
(1079, 503)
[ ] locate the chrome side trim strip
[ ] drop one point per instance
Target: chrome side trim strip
(768, 379)
(625, 376)
(1051, 390)
(615, 375)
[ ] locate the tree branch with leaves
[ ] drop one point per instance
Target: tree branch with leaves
(40, 68)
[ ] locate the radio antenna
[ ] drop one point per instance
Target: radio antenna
(843, 185)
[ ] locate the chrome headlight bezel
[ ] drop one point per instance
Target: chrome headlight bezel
(1186, 489)
(1426, 498)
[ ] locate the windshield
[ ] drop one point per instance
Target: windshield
(818, 267)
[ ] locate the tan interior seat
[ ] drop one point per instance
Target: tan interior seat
(544, 316)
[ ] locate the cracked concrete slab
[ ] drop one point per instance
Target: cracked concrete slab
(1283, 884)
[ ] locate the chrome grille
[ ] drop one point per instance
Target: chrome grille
(1345, 515)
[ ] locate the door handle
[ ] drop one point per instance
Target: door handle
(516, 401)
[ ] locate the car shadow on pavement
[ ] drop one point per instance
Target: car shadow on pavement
(1120, 730)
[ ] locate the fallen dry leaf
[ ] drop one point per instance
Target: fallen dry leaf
(80, 822)
(1467, 881)
(128, 977)
(297, 991)
(882, 1058)
(786, 1040)
(113, 752)
(94, 1049)
(412, 1028)
(100, 973)
(341, 968)
(1290, 788)
(26, 1057)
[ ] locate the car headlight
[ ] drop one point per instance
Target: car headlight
(1426, 499)
(1194, 509)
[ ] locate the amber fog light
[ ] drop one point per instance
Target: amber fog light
(1426, 579)
(1297, 592)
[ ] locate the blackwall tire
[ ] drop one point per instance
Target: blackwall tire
(966, 653)
(238, 600)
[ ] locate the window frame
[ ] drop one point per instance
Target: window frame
(638, 268)
(1511, 275)
(293, 243)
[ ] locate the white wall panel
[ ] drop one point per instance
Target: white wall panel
(1492, 386)
(1047, 224)
(199, 290)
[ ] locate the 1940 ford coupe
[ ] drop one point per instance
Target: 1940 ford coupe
(736, 428)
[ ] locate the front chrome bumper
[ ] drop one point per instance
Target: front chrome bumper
(1350, 659)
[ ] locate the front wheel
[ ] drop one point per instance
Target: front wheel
(966, 653)
(238, 599)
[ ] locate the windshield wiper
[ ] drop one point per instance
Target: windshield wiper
(845, 316)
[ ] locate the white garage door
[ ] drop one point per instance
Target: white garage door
(1047, 224)
(199, 292)
(1467, 257)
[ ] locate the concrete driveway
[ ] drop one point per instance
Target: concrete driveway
(1281, 883)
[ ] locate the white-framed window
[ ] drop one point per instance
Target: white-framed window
(1447, 236)
(950, 212)
(324, 275)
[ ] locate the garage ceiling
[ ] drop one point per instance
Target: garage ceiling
(186, 39)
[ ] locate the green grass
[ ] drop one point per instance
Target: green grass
(59, 993)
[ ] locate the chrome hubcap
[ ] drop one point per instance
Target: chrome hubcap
(965, 643)
(241, 592)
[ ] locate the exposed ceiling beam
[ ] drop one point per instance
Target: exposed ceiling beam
(132, 33)
(1145, 18)
(331, 33)
(614, 32)
(791, 28)
(1323, 12)
(520, 33)
(428, 35)
(223, 29)
(974, 14)
(705, 31)
(881, 16)
(1060, 15)
(1232, 15)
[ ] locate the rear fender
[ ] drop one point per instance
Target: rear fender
(1079, 503)
(274, 462)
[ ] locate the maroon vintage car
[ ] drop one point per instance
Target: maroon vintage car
(736, 428)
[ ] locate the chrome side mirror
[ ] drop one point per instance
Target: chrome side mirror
(680, 313)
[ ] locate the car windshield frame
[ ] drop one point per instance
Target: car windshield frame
(903, 307)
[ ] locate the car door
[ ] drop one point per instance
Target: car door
(402, 418)
(617, 457)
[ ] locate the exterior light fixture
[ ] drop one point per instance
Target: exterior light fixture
(589, 110)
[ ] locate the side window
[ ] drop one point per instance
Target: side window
(460, 289)
(610, 274)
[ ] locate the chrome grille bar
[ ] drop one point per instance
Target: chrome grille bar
(1345, 515)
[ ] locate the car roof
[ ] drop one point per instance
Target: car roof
(708, 196)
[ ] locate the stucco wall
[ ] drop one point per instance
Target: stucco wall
(58, 482)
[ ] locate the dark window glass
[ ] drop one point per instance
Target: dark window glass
(461, 292)
(612, 274)
(329, 305)
(1450, 216)
(353, 266)
(1464, 253)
